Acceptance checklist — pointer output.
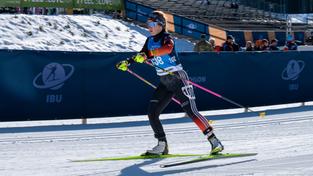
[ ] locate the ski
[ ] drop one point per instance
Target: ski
(137, 157)
(208, 157)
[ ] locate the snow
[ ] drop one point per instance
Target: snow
(283, 138)
(74, 33)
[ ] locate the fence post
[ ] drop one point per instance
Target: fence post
(84, 120)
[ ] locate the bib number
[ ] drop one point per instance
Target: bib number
(157, 60)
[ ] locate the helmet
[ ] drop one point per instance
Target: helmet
(158, 17)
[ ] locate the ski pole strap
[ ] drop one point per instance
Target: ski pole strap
(149, 83)
(201, 87)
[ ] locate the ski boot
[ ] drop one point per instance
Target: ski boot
(216, 145)
(160, 149)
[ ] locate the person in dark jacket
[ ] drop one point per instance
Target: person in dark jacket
(249, 46)
(273, 45)
(264, 45)
(230, 44)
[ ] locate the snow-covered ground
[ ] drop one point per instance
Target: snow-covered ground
(74, 33)
(283, 140)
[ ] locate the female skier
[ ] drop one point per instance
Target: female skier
(159, 49)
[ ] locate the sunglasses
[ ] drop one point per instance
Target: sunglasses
(152, 24)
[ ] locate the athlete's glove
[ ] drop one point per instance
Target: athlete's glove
(140, 57)
(122, 65)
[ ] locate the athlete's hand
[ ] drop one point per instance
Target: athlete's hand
(122, 65)
(140, 57)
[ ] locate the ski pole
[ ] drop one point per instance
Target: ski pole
(147, 82)
(205, 89)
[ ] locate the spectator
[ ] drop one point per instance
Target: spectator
(230, 44)
(249, 46)
(264, 45)
(257, 46)
(203, 44)
(214, 46)
(212, 41)
(290, 44)
(273, 45)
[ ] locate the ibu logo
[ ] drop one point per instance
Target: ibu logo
(293, 70)
(192, 26)
(53, 77)
(54, 98)
(292, 73)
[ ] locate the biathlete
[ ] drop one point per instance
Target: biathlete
(159, 49)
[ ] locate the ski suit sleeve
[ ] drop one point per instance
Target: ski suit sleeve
(166, 48)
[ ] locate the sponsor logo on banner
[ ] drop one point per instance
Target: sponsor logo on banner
(192, 26)
(142, 12)
(292, 72)
(198, 79)
(53, 77)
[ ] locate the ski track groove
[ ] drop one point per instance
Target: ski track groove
(147, 132)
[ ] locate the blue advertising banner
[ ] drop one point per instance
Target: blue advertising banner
(193, 25)
(251, 79)
(144, 10)
(177, 20)
(130, 6)
(191, 33)
(45, 85)
(281, 37)
(41, 85)
(299, 36)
